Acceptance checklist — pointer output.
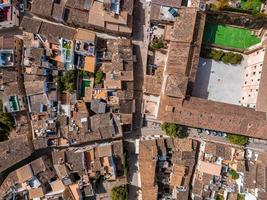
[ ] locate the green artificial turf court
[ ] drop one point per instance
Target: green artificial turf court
(85, 83)
(228, 36)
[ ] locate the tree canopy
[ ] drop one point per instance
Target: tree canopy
(174, 130)
(234, 174)
(237, 139)
(99, 77)
(225, 57)
(240, 197)
(220, 197)
(157, 43)
(223, 3)
(120, 193)
(6, 123)
(66, 82)
(86, 74)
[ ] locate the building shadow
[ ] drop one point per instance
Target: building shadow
(138, 21)
(210, 33)
(133, 192)
(138, 86)
(202, 79)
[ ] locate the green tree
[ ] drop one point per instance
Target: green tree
(240, 197)
(119, 193)
(157, 45)
(233, 174)
(99, 77)
(213, 7)
(66, 82)
(223, 3)
(236, 59)
(227, 57)
(259, 16)
(216, 55)
(219, 197)
(249, 5)
(70, 87)
(237, 139)
(85, 73)
(60, 84)
(174, 130)
(6, 123)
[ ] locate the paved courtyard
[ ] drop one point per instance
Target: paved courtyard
(218, 81)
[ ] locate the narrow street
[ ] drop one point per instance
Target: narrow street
(133, 171)
(140, 46)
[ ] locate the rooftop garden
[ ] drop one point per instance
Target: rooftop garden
(157, 43)
(67, 81)
(6, 123)
(66, 49)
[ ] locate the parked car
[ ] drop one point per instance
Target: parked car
(214, 133)
(199, 130)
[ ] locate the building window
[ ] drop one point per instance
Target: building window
(254, 73)
(66, 14)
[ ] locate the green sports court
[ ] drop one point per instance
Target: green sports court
(228, 36)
